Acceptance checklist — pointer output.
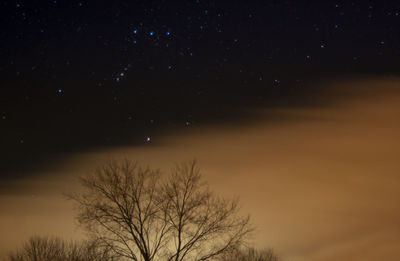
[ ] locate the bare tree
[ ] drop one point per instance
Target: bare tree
(141, 216)
(203, 226)
(37, 248)
(121, 209)
(250, 254)
(56, 249)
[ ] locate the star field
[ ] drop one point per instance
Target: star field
(77, 75)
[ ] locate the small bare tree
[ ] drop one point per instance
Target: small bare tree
(250, 254)
(141, 216)
(37, 248)
(56, 249)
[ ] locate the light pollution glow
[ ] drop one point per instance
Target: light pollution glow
(322, 184)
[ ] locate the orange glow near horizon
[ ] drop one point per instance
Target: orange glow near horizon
(320, 184)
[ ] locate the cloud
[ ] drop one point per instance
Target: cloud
(320, 182)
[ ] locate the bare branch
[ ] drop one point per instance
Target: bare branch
(133, 213)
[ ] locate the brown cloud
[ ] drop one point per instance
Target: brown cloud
(322, 184)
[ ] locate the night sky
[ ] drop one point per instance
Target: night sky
(81, 75)
(291, 105)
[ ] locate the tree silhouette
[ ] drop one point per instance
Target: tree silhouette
(56, 249)
(250, 254)
(141, 215)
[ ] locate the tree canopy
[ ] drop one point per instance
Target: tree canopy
(141, 214)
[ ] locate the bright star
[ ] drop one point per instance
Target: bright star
(151, 33)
